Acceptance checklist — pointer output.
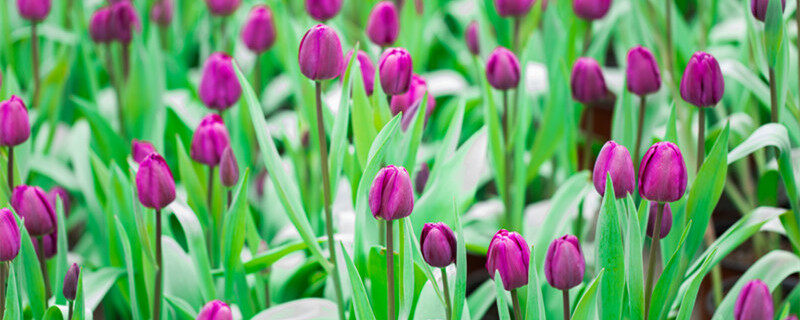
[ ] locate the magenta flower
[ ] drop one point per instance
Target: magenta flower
(502, 69)
(320, 54)
(615, 160)
(643, 76)
(509, 255)
(702, 84)
(662, 174)
(391, 196)
(438, 244)
(564, 264)
(219, 87)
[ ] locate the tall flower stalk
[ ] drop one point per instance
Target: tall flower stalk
(642, 78)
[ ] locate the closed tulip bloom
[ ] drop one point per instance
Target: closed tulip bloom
(210, 140)
(98, 26)
(759, 8)
(702, 84)
(754, 302)
(49, 245)
(395, 69)
(123, 21)
(643, 76)
(471, 37)
(215, 310)
(258, 33)
(615, 160)
(71, 282)
(666, 220)
(14, 125)
(219, 87)
(60, 193)
(513, 8)
(591, 9)
(32, 204)
(223, 7)
(9, 236)
(391, 196)
(323, 10)
(140, 149)
(367, 69)
(438, 244)
(587, 81)
(34, 10)
(422, 178)
(502, 69)
(161, 12)
(154, 182)
(510, 255)
(662, 173)
(564, 264)
(320, 55)
(228, 168)
(409, 102)
(383, 25)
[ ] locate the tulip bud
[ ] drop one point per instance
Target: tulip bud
(422, 178)
(140, 149)
(320, 54)
(587, 82)
(9, 236)
(643, 76)
(367, 69)
(395, 69)
(471, 37)
(513, 8)
(71, 282)
(161, 12)
(219, 87)
(759, 8)
(154, 182)
(383, 24)
(502, 69)
(791, 317)
(32, 204)
(662, 173)
(49, 245)
(223, 7)
(615, 160)
(564, 264)
(591, 9)
(14, 125)
(409, 102)
(98, 26)
(228, 168)
(123, 20)
(210, 140)
(215, 310)
(258, 33)
(754, 302)
(438, 244)
(33, 10)
(702, 84)
(391, 196)
(323, 10)
(66, 200)
(510, 255)
(666, 220)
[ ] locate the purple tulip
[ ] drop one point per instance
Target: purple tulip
(564, 264)
(662, 173)
(323, 10)
(34, 10)
(223, 7)
(395, 69)
(228, 168)
(409, 102)
(320, 55)
(219, 87)
(161, 12)
(98, 26)
(643, 76)
(471, 36)
(502, 69)
(258, 33)
(49, 244)
(14, 125)
(123, 21)
(71, 282)
(510, 255)
(391, 196)
(591, 9)
(215, 310)
(210, 140)
(791, 317)
(438, 244)
(9, 236)
(154, 182)
(513, 8)
(422, 178)
(66, 199)
(140, 149)
(587, 82)
(666, 220)
(383, 24)
(32, 204)
(367, 69)
(615, 160)
(702, 84)
(754, 302)
(759, 8)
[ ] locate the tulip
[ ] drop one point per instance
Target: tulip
(759, 8)
(791, 317)
(320, 54)
(391, 196)
(71, 282)
(34, 10)
(66, 199)
(140, 149)
(323, 10)
(9, 236)
(223, 7)
(383, 24)
(643, 76)
(215, 310)
(564, 264)
(258, 33)
(98, 26)
(591, 9)
(513, 8)
(395, 69)
(471, 37)
(210, 140)
(422, 178)
(666, 220)
(161, 12)
(754, 302)
(219, 87)
(14, 126)
(32, 204)
(228, 168)
(502, 69)
(509, 254)
(154, 182)
(438, 244)
(123, 20)
(614, 160)
(367, 69)
(662, 174)
(587, 82)
(408, 103)
(702, 84)
(48, 245)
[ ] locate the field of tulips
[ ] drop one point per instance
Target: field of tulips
(400, 159)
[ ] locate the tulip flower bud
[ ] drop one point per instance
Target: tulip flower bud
(223, 7)
(320, 54)
(422, 178)
(510, 255)
(219, 87)
(643, 76)
(666, 220)
(32, 204)
(123, 21)
(323, 10)
(71, 282)
(49, 245)
(405, 101)
(66, 200)
(33, 10)
(791, 317)
(395, 69)
(587, 82)
(9, 236)
(154, 182)
(615, 160)
(502, 69)
(702, 84)
(140, 149)
(98, 26)
(161, 12)
(754, 302)
(215, 310)
(391, 196)
(228, 168)
(258, 33)
(383, 24)
(513, 8)
(564, 264)
(759, 8)
(14, 125)
(472, 39)
(591, 9)
(210, 140)
(662, 173)
(367, 69)
(438, 244)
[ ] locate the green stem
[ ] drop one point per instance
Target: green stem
(701, 137)
(389, 271)
(651, 260)
(257, 77)
(773, 96)
(159, 271)
(565, 296)
(212, 219)
(587, 144)
(508, 163)
(639, 130)
(71, 308)
(43, 266)
(10, 173)
(515, 301)
(448, 305)
(35, 62)
(3, 279)
(668, 27)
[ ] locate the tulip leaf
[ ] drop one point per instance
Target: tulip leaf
(138, 296)
(61, 251)
(363, 310)
(13, 295)
(566, 199)
(611, 256)
(53, 313)
(460, 292)
(773, 31)
(497, 145)
(195, 191)
(363, 119)
(406, 284)
(535, 302)
(196, 243)
(689, 298)
(339, 141)
(585, 305)
(79, 306)
(181, 307)
(30, 278)
(502, 305)
(633, 261)
(665, 283)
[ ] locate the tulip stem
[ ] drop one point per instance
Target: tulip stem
(257, 76)
(448, 306)
(587, 38)
(773, 96)
(701, 137)
(3, 278)
(117, 85)
(10, 173)
(126, 63)
(389, 271)
(508, 157)
(515, 301)
(35, 62)
(212, 222)
(639, 131)
(668, 35)
(326, 193)
(651, 260)
(587, 144)
(43, 265)
(565, 295)
(157, 296)
(71, 308)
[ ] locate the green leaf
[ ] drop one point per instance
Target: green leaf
(138, 295)
(31, 279)
(633, 261)
(585, 306)
(665, 284)
(79, 306)
(195, 191)
(535, 301)
(363, 124)
(773, 31)
(502, 305)
(196, 242)
(53, 313)
(689, 298)
(460, 292)
(565, 199)
(363, 310)
(266, 259)
(61, 252)
(496, 141)
(611, 256)
(339, 134)
(13, 295)
(98, 283)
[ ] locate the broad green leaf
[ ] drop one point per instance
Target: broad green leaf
(502, 305)
(633, 262)
(689, 298)
(363, 310)
(585, 305)
(196, 243)
(665, 283)
(535, 301)
(339, 134)
(460, 292)
(138, 296)
(61, 251)
(611, 257)
(30, 276)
